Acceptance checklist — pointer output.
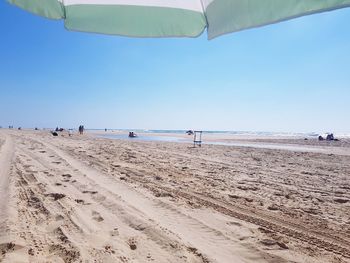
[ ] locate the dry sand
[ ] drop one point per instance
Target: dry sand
(84, 199)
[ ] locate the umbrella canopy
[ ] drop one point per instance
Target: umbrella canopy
(173, 18)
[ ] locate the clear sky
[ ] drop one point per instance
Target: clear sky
(293, 76)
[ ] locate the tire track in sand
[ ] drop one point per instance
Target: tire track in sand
(6, 155)
(208, 242)
(76, 209)
(317, 238)
(322, 239)
(6, 212)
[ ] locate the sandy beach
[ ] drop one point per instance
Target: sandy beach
(89, 199)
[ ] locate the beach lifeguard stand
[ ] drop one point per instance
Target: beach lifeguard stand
(197, 138)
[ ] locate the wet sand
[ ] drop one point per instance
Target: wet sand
(296, 144)
(86, 199)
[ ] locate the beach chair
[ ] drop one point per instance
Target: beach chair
(197, 138)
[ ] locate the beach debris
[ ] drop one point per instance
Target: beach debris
(54, 133)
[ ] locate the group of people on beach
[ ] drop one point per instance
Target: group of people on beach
(81, 129)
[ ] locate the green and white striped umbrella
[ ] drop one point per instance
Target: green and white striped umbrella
(173, 18)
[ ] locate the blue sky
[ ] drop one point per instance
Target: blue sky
(293, 76)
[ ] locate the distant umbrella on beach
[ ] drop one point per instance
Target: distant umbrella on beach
(173, 18)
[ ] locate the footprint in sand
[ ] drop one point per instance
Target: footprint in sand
(56, 162)
(56, 196)
(8, 247)
(64, 254)
(59, 217)
(97, 217)
(109, 249)
(31, 252)
(233, 223)
(30, 178)
(80, 201)
(90, 192)
(270, 243)
(150, 258)
(114, 232)
(132, 243)
(273, 207)
(99, 197)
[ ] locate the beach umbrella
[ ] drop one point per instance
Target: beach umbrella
(173, 18)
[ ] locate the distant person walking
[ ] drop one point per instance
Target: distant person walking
(81, 129)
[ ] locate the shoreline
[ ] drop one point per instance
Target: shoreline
(291, 144)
